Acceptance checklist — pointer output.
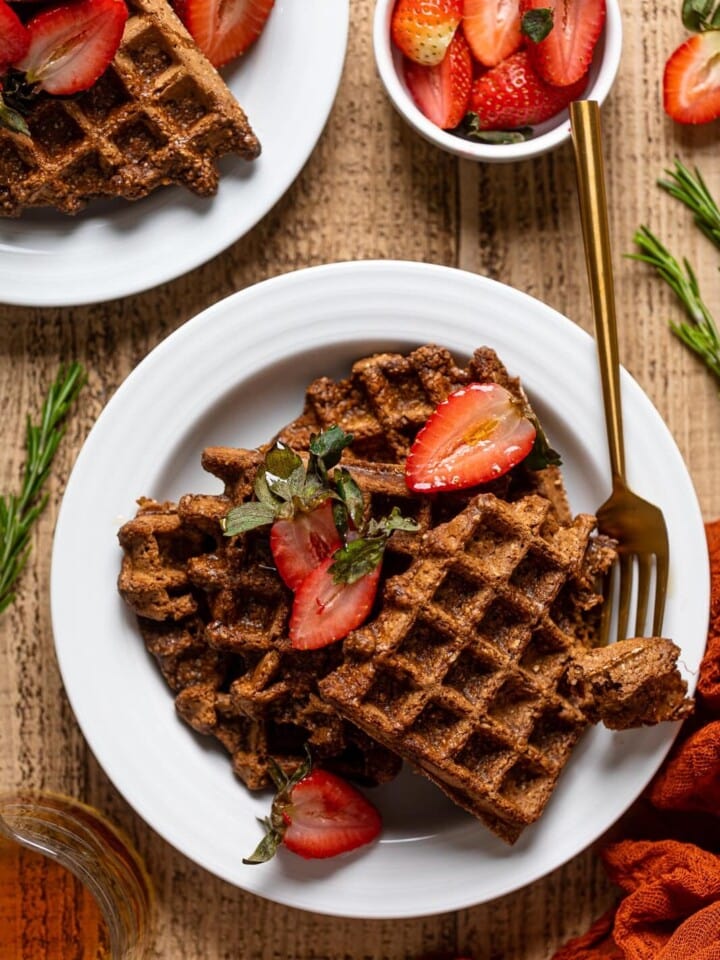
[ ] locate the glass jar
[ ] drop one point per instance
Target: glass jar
(71, 885)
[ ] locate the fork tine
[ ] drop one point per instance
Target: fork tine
(643, 592)
(626, 565)
(660, 592)
(606, 613)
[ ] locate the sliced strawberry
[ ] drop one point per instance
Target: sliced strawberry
(443, 92)
(72, 45)
(691, 81)
(316, 815)
(565, 55)
(492, 28)
(423, 29)
(14, 37)
(325, 611)
(223, 29)
(476, 435)
(513, 95)
(301, 544)
(326, 817)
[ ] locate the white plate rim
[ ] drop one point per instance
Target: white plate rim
(115, 250)
(378, 282)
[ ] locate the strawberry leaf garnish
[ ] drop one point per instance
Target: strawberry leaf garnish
(349, 509)
(275, 825)
(471, 129)
(542, 454)
(284, 485)
(360, 556)
(12, 120)
(537, 23)
(698, 15)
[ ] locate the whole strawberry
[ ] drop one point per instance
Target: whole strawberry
(513, 95)
(423, 29)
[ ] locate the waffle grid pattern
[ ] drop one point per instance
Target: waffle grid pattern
(159, 115)
(462, 671)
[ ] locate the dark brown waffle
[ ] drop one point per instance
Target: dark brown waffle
(388, 397)
(159, 115)
(462, 672)
(213, 612)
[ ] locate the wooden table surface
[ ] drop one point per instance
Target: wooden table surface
(371, 189)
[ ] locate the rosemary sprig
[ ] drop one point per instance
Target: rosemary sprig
(700, 334)
(18, 512)
(690, 188)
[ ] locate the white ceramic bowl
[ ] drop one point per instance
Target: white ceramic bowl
(546, 136)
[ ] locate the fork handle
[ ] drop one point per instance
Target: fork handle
(586, 134)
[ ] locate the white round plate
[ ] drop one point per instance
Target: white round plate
(286, 84)
(233, 376)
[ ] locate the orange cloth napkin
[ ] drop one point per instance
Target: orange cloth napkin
(670, 870)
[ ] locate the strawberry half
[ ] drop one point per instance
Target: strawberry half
(71, 45)
(512, 95)
(14, 37)
(223, 29)
(492, 29)
(691, 81)
(442, 92)
(301, 544)
(316, 815)
(326, 610)
(477, 434)
(423, 29)
(565, 55)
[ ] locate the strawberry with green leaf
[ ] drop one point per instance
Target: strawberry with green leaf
(339, 594)
(296, 499)
(691, 79)
(562, 37)
(316, 814)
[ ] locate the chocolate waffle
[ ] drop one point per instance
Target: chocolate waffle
(463, 669)
(213, 612)
(389, 396)
(159, 115)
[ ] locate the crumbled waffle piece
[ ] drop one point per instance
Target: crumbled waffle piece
(461, 671)
(159, 115)
(631, 683)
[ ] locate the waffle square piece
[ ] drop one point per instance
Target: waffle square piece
(462, 672)
(159, 115)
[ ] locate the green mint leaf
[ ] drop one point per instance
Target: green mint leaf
(267, 848)
(282, 462)
(248, 516)
(262, 489)
(395, 521)
(357, 558)
(12, 120)
(470, 129)
(537, 24)
(287, 488)
(350, 496)
(329, 445)
(542, 454)
(695, 14)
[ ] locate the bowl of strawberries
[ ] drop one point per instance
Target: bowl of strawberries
(491, 80)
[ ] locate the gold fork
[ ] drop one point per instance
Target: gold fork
(638, 526)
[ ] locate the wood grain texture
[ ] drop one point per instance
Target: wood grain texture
(371, 189)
